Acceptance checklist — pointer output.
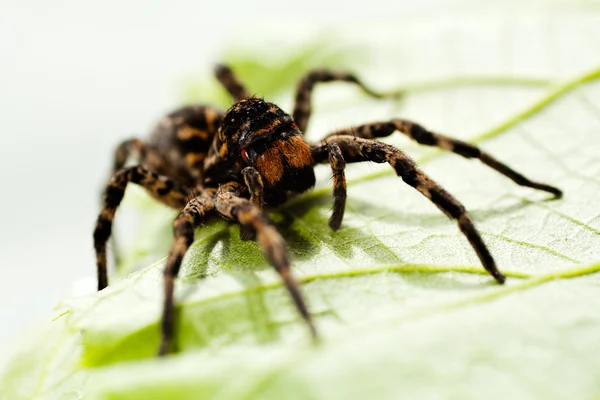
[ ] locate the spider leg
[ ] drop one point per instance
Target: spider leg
(160, 187)
(129, 148)
(302, 107)
(338, 164)
(423, 136)
(358, 149)
(143, 154)
(233, 85)
(133, 147)
(192, 215)
(255, 186)
(231, 206)
(332, 153)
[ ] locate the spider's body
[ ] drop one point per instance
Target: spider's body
(201, 142)
(203, 161)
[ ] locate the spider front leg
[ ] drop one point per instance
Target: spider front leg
(423, 136)
(332, 153)
(162, 188)
(302, 107)
(231, 206)
(193, 214)
(231, 82)
(357, 150)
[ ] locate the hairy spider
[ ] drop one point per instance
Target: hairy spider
(203, 161)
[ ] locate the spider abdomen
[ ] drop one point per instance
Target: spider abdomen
(183, 138)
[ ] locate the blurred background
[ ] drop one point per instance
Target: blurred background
(78, 77)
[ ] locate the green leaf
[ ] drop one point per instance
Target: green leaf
(403, 306)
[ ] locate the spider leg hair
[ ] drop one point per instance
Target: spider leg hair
(357, 150)
(231, 206)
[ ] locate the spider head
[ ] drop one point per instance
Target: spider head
(262, 135)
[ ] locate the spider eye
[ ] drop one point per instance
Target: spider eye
(244, 153)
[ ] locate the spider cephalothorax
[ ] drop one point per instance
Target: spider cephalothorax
(258, 134)
(202, 162)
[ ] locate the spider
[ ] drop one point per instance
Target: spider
(203, 161)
